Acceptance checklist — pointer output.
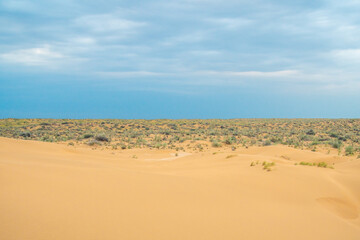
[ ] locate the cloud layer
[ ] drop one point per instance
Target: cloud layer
(196, 47)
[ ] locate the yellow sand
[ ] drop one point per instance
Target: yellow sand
(51, 191)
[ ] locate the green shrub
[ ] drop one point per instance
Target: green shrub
(322, 164)
(88, 135)
(319, 164)
(267, 143)
(267, 165)
(102, 138)
(216, 144)
(336, 144)
(25, 134)
(310, 132)
(349, 150)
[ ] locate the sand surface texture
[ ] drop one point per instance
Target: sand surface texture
(54, 191)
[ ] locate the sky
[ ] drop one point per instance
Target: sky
(179, 59)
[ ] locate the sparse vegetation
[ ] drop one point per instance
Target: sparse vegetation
(192, 135)
(102, 138)
(336, 144)
(25, 134)
(319, 164)
(93, 142)
(216, 144)
(268, 165)
(349, 150)
(87, 136)
(285, 157)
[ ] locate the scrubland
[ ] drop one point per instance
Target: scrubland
(191, 135)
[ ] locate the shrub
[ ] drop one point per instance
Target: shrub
(341, 138)
(216, 144)
(25, 134)
(322, 164)
(267, 165)
(333, 135)
(229, 140)
(102, 138)
(88, 135)
(319, 164)
(336, 144)
(310, 132)
(267, 143)
(93, 142)
(285, 157)
(349, 150)
(306, 163)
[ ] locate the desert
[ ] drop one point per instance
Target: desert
(75, 189)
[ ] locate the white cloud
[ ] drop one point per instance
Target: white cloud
(32, 56)
(83, 40)
(205, 53)
(346, 55)
(129, 74)
(48, 56)
(17, 5)
(230, 23)
(186, 38)
(284, 73)
(107, 23)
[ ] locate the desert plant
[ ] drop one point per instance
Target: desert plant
(25, 134)
(336, 144)
(267, 143)
(322, 164)
(310, 132)
(267, 165)
(88, 135)
(93, 142)
(349, 150)
(102, 138)
(216, 144)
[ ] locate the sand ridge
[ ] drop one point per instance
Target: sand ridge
(54, 191)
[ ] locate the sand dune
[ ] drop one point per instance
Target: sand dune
(52, 191)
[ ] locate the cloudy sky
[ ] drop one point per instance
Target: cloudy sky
(179, 59)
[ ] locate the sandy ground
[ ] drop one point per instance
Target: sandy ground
(52, 191)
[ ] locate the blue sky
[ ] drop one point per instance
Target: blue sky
(179, 59)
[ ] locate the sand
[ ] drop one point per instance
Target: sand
(53, 191)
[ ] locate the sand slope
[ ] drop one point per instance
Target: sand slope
(52, 191)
